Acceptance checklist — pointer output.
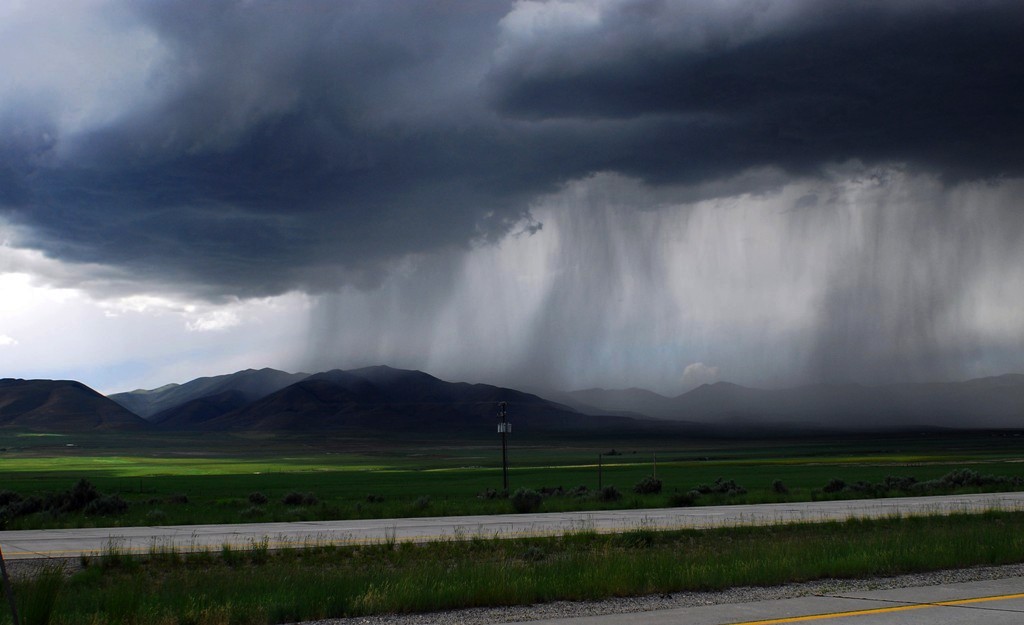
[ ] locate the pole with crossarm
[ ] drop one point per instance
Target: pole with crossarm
(504, 428)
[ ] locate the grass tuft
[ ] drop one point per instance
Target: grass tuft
(37, 599)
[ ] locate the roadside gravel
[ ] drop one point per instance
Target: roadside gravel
(24, 569)
(566, 609)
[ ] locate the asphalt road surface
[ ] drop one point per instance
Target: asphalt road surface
(996, 602)
(24, 544)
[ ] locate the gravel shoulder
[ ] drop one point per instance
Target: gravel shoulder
(25, 568)
(568, 609)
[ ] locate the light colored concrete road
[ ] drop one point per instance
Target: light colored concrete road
(996, 602)
(73, 542)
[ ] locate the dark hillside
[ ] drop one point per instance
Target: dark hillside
(193, 413)
(61, 406)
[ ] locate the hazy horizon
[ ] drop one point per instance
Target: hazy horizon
(537, 389)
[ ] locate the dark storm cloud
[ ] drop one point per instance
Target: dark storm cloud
(939, 84)
(289, 146)
(306, 145)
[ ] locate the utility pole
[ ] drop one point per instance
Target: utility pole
(504, 428)
(8, 589)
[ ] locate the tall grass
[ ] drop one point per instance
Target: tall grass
(252, 586)
(37, 598)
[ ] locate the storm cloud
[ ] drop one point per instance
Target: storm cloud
(237, 150)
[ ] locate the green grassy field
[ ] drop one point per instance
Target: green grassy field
(188, 480)
(192, 479)
(255, 586)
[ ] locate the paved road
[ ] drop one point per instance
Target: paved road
(73, 542)
(997, 602)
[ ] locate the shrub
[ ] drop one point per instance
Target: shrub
(106, 505)
(24, 507)
(779, 488)
(81, 495)
(526, 500)
(608, 493)
(580, 491)
(299, 499)
(259, 499)
(648, 485)
(729, 487)
(834, 485)
(965, 477)
(371, 498)
(177, 498)
(722, 487)
(892, 482)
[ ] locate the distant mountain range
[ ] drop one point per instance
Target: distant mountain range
(372, 398)
(993, 402)
(383, 399)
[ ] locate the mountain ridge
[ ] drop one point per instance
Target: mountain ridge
(384, 398)
(387, 399)
(993, 401)
(61, 406)
(251, 383)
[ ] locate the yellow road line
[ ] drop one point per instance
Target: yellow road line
(902, 608)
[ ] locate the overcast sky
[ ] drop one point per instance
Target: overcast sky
(571, 194)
